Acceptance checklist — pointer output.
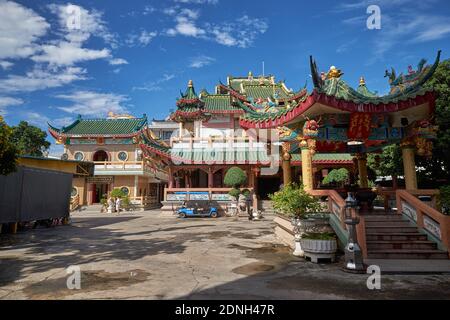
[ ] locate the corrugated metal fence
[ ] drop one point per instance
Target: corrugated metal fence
(34, 194)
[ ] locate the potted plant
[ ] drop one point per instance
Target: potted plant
(294, 202)
(319, 245)
(235, 178)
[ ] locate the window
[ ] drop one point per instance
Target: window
(165, 135)
(74, 192)
(79, 156)
(122, 156)
(125, 190)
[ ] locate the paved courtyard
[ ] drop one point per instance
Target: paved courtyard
(148, 256)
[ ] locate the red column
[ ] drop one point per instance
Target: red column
(91, 194)
(170, 178)
(210, 178)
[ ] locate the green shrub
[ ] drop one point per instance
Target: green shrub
(246, 192)
(444, 199)
(292, 200)
(125, 201)
(319, 236)
(235, 177)
(234, 192)
(338, 176)
(117, 193)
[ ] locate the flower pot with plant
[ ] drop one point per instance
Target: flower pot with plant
(294, 202)
(319, 246)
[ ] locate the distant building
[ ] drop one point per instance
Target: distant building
(163, 129)
(111, 144)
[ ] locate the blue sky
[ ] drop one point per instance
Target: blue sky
(135, 56)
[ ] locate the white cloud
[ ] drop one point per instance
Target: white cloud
(155, 85)
(140, 39)
(91, 23)
(185, 23)
(20, 28)
(8, 102)
(39, 79)
(241, 33)
(62, 122)
(117, 61)
(5, 65)
(35, 119)
(145, 37)
(92, 103)
(148, 10)
(56, 150)
(201, 61)
(68, 53)
(406, 29)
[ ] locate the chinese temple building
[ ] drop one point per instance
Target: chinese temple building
(118, 163)
(260, 124)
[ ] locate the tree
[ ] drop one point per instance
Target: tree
(388, 163)
(29, 140)
(235, 177)
(336, 175)
(439, 164)
(8, 150)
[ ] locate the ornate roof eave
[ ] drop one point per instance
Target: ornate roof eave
(88, 135)
(233, 92)
(190, 102)
(179, 115)
(279, 119)
(296, 96)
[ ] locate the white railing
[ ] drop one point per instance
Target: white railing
(117, 167)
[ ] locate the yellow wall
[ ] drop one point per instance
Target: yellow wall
(51, 164)
(112, 151)
(80, 184)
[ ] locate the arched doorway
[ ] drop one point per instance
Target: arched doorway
(100, 155)
(100, 189)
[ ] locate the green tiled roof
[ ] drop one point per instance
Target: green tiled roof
(218, 103)
(105, 127)
(219, 156)
(264, 91)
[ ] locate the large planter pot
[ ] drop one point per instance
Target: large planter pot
(319, 249)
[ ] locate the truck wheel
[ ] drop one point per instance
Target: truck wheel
(214, 215)
(183, 215)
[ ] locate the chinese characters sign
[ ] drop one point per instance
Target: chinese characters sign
(359, 126)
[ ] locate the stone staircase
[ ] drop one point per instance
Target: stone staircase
(266, 208)
(389, 236)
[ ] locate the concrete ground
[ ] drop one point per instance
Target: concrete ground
(148, 256)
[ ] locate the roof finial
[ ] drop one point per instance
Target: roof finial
(362, 81)
(250, 75)
(190, 84)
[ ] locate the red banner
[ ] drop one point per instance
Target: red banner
(359, 126)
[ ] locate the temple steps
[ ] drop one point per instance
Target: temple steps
(389, 236)
(401, 244)
(406, 254)
(395, 236)
(266, 208)
(389, 229)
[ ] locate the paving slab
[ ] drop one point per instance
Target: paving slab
(413, 266)
(146, 255)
